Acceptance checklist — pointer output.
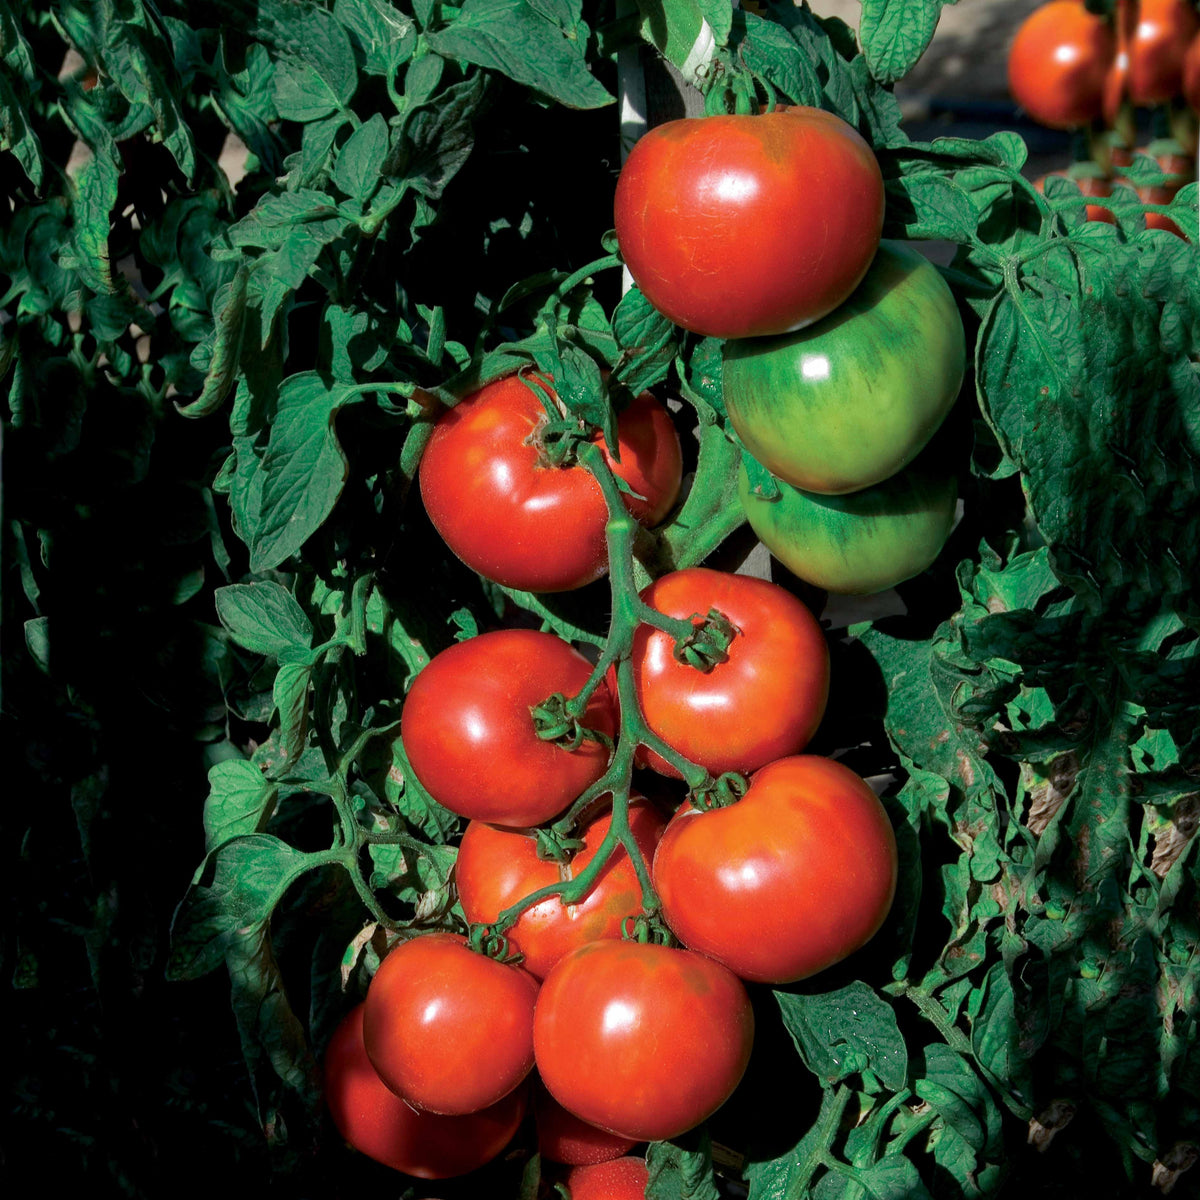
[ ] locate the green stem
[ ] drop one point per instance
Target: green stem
(573, 281)
(829, 1119)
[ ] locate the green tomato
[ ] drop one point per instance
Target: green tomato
(851, 400)
(859, 543)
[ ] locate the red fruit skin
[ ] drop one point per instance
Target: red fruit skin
(449, 1030)
(376, 1122)
(564, 1138)
(527, 525)
(642, 1040)
(466, 723)
(1191, 74)
(765, 701)
(622, 1179)
(791, 879)
(1058, 63)
(1158, 48)
(496, 867)
(745, 226)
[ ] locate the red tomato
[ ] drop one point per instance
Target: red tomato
(624, 1179)
(496, 867)
(1058, 63)
(765, 701)
(378, 1123)
(795, 876)
(449, 1030)
(525, 524)
(564, 1138)
(1089, 185)
(743, 226)
(642, 1040)
(1157, 49)
(1191, 74)
(466, 723)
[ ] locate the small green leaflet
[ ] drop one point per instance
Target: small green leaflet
(360, 161)
(317, 75)
(304, 467)
(513, 37)
(846, 1032)
(895, 33)
(381, 33)
(240, 799)
(238, 885)
(679, 1174)
(685, 32)
(263, 617)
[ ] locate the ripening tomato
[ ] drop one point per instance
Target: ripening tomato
(863, 542)
(1191, 74)
(852, 399)
(563, 1138)
(642, 1040)
(1058, 63)
(793, 877)
(447, 1029)
(470, 738)
(766, 700)
(1089, 185)
(622, 1179)
(1158, 48)
(743, 226)
(376, 1122)
(492, 495)
(497, 867)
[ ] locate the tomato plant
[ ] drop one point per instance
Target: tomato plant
(1058, 62)
(742, 226)
(764, 700)
(622, 1179)
(1158, 48)
(862, 542)
(379, 1124)
(642, 1040)
(793, 877)
(468, 715)
(497, 867)
(493, 494)
(446, 1028)
(563, 1138)
(851, 400)
(1088, 185)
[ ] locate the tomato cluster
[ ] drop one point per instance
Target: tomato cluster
(611, 942)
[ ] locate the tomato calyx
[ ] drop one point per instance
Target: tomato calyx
(707, 645)
(555, 846)
(485, 940)
(554, 721)
(721, 792)
(648, 929)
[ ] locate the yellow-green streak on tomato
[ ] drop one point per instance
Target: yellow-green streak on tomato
(859, 543)
(851, 400)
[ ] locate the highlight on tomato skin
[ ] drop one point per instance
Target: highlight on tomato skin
(497, 867)
(746, 226)
(792, 878)
(1058, 63)
(1159, 48)
(519, 521)
(448, 1029)
(378, 1123)
(466, 722)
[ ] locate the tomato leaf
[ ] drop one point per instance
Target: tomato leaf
(647, 342)
(263, 617)
(846, 1032)
(304, 468)
(681, 1174)
(237, 886)
(686, 32)
(516, 39)
(382, 35)
(360, 161)
(895, 33)
(240, 800)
